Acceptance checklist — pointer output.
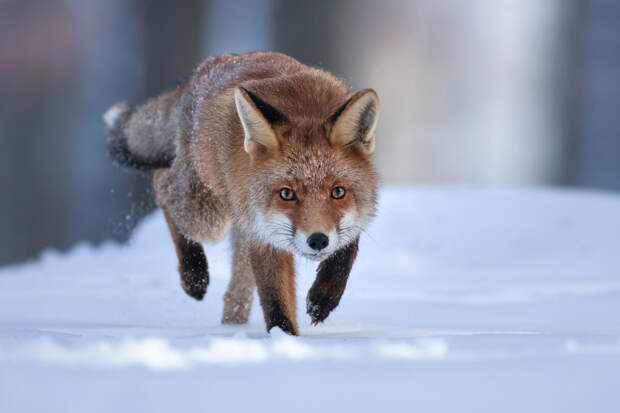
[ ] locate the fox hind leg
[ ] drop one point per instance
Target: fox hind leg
(194, 214)
(240, 293)
(192, 262)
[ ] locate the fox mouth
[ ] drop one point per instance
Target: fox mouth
(317, 256)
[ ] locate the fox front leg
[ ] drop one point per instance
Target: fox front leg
(331, 280)
(274, 271)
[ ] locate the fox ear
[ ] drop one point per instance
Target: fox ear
(355, 122)
(256, 117)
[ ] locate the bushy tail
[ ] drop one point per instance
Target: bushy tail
(143, 137)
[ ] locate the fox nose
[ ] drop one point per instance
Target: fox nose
(318, 241)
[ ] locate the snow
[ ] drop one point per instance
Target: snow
(461, 299)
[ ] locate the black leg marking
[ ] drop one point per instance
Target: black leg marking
(193, 268)
(277, 318)
(331, 280)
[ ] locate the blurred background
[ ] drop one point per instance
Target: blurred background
(478, 93)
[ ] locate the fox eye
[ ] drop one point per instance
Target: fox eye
(338, 192)
(287, 194)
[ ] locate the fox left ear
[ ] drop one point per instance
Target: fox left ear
(355, 122)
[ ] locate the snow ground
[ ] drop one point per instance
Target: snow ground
(461, 299)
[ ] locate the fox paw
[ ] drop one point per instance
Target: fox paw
(319, 305)
(286, 326)
(276, 317)
(195, 285)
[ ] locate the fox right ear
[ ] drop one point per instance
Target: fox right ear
(355, 122)
(256, 118)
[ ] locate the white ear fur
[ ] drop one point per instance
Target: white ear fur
(357, 121)
(259, 136)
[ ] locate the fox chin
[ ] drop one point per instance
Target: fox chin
(274, 152)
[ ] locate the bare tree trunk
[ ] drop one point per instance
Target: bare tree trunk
(570, 84)
(306, 30)
(596, 163)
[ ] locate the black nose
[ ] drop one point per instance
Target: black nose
(318, 241)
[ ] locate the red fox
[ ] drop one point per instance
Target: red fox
(275, 152)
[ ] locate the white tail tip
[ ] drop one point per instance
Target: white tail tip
(112, 114)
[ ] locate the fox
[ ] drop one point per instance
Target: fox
(275, 153)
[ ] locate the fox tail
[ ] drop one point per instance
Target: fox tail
(143, 137)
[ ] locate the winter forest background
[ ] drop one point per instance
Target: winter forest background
(482, 93)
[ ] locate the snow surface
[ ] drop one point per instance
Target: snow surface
(460, 300)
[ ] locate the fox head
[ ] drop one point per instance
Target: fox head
(312, 183)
